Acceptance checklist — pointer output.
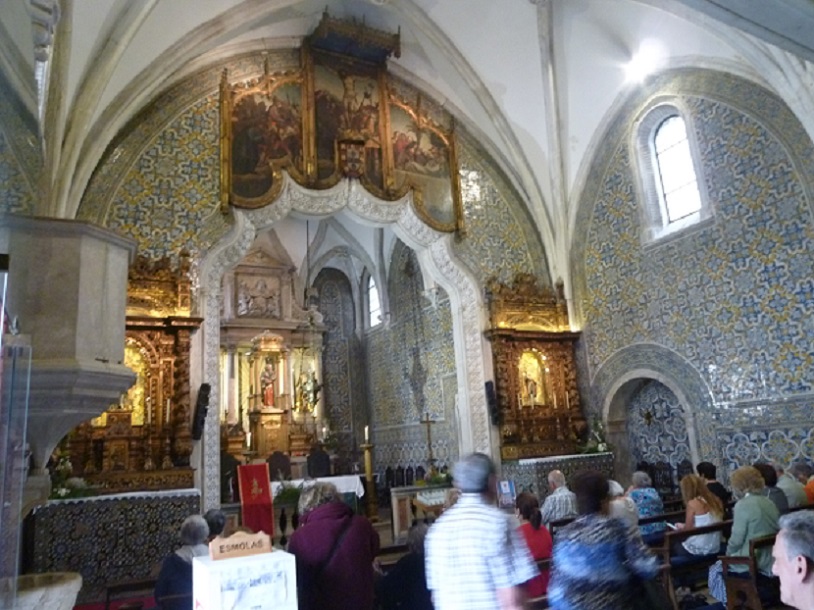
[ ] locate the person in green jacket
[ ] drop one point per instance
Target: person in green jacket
(753, 516)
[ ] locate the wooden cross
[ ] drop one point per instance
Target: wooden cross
(428, 422)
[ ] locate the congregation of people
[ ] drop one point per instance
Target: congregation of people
(476, 555)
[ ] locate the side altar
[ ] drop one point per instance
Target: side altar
(535, 399)
(144, 441)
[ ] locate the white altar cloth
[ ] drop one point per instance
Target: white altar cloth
(350, 483)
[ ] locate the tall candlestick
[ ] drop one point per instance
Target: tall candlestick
(367, 434)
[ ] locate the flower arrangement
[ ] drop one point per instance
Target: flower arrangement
(288, 493)
(596, 442)
(63, 484)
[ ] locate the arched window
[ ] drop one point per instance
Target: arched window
(678, 185)
(670, 171)
(374, 307)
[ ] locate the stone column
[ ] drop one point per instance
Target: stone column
(67, 289)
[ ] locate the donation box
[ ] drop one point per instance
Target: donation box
(267, 581)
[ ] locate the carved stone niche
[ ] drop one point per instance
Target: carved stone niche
(538, 404)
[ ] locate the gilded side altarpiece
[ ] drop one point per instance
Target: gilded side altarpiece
(537, 398)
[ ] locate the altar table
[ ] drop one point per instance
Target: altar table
(345, 484)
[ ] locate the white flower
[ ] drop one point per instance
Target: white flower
(602, 447)
(63, 491)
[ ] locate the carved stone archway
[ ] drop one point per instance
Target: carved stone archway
(434, 251)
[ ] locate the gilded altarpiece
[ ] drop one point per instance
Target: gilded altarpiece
(537, 401)
(145, 441)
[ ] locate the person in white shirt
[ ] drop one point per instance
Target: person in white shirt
(561, 503)
(474, 557)
(794, 559)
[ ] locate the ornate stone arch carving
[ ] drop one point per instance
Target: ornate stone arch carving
(434, 251)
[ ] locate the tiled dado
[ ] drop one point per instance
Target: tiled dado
(532, 475)
(780, 432)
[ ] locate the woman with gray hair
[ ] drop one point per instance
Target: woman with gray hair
(173, 589)
(648, 502)
(334, 549)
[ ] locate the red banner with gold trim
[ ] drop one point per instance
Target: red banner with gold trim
(255, 497)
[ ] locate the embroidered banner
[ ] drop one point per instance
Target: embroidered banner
(255, 497)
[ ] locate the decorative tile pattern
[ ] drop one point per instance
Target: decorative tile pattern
(173, 190)
(411, 371)
(730, 302)
(532, 475)
(16, 196)
(139, 531)
(664, 439)
(500, 240)
(342, 358)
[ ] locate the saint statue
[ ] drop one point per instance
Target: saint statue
(267, 379)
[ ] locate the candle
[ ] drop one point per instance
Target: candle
(367, 434)
(149, 414)
(567, 401)
(168, 410)
(324, 432)
(555, 401)
(248, 440)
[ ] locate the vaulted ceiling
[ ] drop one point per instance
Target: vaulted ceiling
(534, 80)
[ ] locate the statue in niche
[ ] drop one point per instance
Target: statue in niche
(533, 387)
(308, 389)
(267, 379)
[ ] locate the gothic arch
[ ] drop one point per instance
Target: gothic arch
(435, 254)
(621, 376)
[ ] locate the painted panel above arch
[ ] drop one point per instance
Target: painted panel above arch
(159, 181)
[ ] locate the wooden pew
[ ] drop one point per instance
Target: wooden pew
(678, 565)
(656, 540)
(388, 556)
(744, 592)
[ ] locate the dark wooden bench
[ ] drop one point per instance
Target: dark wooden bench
(679, 565)
(750, 590)
(388, 556)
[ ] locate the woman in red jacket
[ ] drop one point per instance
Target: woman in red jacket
(537, 538)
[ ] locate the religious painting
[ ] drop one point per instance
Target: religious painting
(348, 122)
(264, 124)
(339, 116)
(422, 161)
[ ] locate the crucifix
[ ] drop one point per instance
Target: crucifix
(428, 422)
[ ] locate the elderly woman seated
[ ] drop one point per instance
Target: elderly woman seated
(648, 503)
(173, 589)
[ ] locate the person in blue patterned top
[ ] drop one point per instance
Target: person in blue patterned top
(598, 560)
(647, 500)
